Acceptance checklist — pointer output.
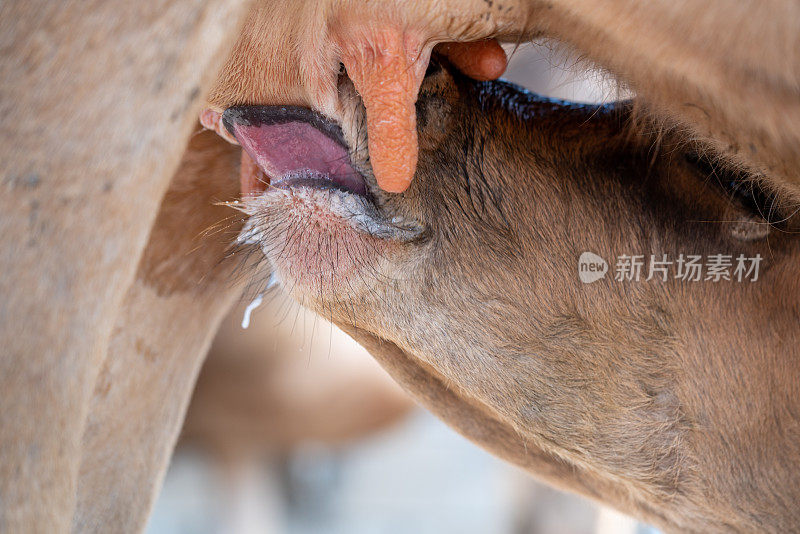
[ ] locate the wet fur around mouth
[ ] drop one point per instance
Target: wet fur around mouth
(327, 236)
(369, 214)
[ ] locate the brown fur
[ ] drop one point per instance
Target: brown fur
(667, 400)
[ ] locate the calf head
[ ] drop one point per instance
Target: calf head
(473, 275)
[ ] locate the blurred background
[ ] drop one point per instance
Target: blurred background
(293, 428)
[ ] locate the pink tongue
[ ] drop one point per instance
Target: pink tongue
(294, 149)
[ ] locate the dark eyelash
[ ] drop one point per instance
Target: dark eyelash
(742, 188)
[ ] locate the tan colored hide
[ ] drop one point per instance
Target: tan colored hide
(182, 289)
(97, 99)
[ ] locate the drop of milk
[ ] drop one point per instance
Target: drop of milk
(272, 282)
(249, 310)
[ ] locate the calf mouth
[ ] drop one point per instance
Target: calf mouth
(294, 152)
(318, 219)
(291, 144)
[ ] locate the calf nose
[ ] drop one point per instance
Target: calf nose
(212, 120)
